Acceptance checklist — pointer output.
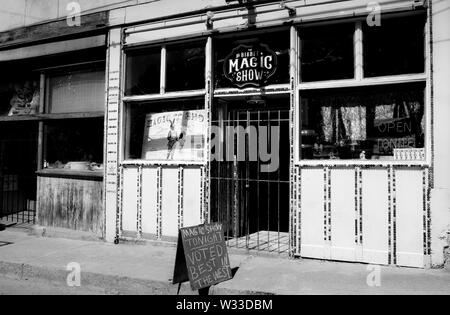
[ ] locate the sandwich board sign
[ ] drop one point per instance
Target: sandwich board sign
(202, 256)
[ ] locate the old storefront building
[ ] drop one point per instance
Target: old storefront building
(313, 129)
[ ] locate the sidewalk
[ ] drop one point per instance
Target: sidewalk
(146, 269)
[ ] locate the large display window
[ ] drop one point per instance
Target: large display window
(380, 123)
(75, 98)
(165, 114)
(166, 130)
(354, 107)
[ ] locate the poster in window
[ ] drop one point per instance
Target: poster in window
(175, 136)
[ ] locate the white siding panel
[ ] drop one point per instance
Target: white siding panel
(312, 213)
(170, 202)
(375, 216)
(191, 197)
(129, 203)
(149, 200)
(409, 204)
(343, 215)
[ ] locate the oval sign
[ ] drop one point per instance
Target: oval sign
(250, 66)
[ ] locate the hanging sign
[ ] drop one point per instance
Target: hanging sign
(250, 66)
(202, 256)
(176, 136)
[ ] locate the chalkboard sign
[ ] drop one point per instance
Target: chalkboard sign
(202, 256)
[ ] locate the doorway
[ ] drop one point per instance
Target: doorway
(18, 165)
(250, 172)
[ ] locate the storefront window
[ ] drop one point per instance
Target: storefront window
(395, 47)
(166, 130)
(265, 45)
(19, 91)
(327, 52)
(143, 72)
(185, 67)
(74, 141)
(75, 144)
(76, 92)
(383, 123)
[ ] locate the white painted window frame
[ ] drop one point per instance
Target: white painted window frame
(360, 81)
(162, 95)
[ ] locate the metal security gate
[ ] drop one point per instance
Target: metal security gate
(18, 156)
(252, 203)
(17, 205)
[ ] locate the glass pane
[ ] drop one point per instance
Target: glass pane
(327, 52)
(395, 47)
(185, 67)
(166, 130)
(276, 42)
(367, 123)
(77, 92)
(19, 89)
(74, 144)
(143, 73)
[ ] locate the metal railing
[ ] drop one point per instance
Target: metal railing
(253, 205)
(17, 198)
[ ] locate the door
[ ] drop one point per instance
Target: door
(250, 184)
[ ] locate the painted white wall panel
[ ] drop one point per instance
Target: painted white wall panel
(149, 200)
(409, 203)
(312, 213)
(343, 215)
(170, 202)
(191, 198)
(129, 203)
(375, 216)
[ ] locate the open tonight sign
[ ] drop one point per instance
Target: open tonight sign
(250, 66)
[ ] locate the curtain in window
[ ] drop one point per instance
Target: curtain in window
(348, 118)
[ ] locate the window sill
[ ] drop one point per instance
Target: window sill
(349, 83)
(165, 96)
(162, 163)
(72, 174)
(361, 163)
(38, 117)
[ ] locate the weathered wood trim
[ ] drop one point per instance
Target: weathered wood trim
(46, 31)
(70, 174)
(53, 116)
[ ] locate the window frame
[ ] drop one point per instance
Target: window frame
(129, 101)
(61, 71)
(46, 116)
(360, 81)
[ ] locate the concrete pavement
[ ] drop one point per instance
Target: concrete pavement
(147, 269)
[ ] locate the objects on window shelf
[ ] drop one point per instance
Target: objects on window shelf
(25, 100)
(409, 154)
(363, 123)
(74, 166)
